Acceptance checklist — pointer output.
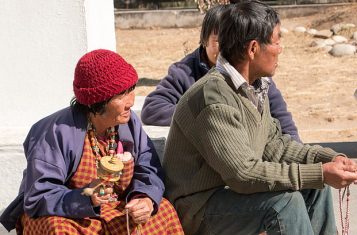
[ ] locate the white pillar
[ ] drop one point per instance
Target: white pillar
(40, 43)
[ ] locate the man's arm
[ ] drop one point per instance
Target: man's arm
(278, 110)
(227, 148)
(337, 170)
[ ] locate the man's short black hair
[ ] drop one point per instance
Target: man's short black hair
(243, 22)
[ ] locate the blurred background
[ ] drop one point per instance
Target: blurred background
(176, 4)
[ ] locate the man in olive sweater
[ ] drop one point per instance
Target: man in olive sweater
(229, 169)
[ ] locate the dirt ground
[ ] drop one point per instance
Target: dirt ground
(317, 87)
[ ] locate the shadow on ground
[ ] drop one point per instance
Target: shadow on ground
(147, 82)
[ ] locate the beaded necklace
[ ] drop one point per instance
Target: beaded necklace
(110, 148)
(108, 167)
(345, 222)
(112, 145)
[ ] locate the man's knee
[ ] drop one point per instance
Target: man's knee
(290, 200)
(288, 216)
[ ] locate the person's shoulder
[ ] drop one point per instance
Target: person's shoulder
(54, 126)
(60, 114)
(192, 57)
(213, 87)
(63, 118)
(188, 63)
(209, 90)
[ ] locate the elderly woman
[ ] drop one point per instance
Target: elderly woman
(91, 168)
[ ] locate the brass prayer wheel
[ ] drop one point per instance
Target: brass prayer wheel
(110, 168)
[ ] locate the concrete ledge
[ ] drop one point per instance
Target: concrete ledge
(193, 18)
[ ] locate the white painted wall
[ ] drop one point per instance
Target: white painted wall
(100, 24)
(40, 43)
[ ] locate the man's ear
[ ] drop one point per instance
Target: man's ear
(252, 49)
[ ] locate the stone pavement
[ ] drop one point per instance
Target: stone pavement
(353, 210)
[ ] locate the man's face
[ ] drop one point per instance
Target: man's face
(266, 58)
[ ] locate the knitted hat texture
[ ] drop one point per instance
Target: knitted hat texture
(100, 75)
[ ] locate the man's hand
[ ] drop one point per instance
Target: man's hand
(345, 160)
(340, 173)
(140, 209)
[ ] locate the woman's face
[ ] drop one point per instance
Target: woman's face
(117, 111)
(212, 48)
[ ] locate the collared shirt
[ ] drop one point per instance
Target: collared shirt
(256, 93)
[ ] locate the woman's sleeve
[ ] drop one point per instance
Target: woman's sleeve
(148, 173)
(45, 192)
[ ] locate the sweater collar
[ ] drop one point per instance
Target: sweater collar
(256, 92)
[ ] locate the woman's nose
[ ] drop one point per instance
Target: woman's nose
(129, 99)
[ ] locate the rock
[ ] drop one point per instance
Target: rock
(339, 39)
(311, 31)
(327, 48)
(318, 43)
(329, 42)
(342, 50)
(354, 36)
(300, 29)
(284, 30)
(348, 26)
(336, 28)
(323, 34)
(341, 26)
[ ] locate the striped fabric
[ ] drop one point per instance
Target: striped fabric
(113, 217)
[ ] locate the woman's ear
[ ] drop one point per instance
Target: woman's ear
(252, 49)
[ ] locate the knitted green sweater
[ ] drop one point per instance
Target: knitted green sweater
(218, 138)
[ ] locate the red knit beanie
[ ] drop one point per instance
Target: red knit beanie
(100, 75)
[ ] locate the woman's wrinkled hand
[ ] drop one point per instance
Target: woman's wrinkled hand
(98, 199)
(140, 209)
